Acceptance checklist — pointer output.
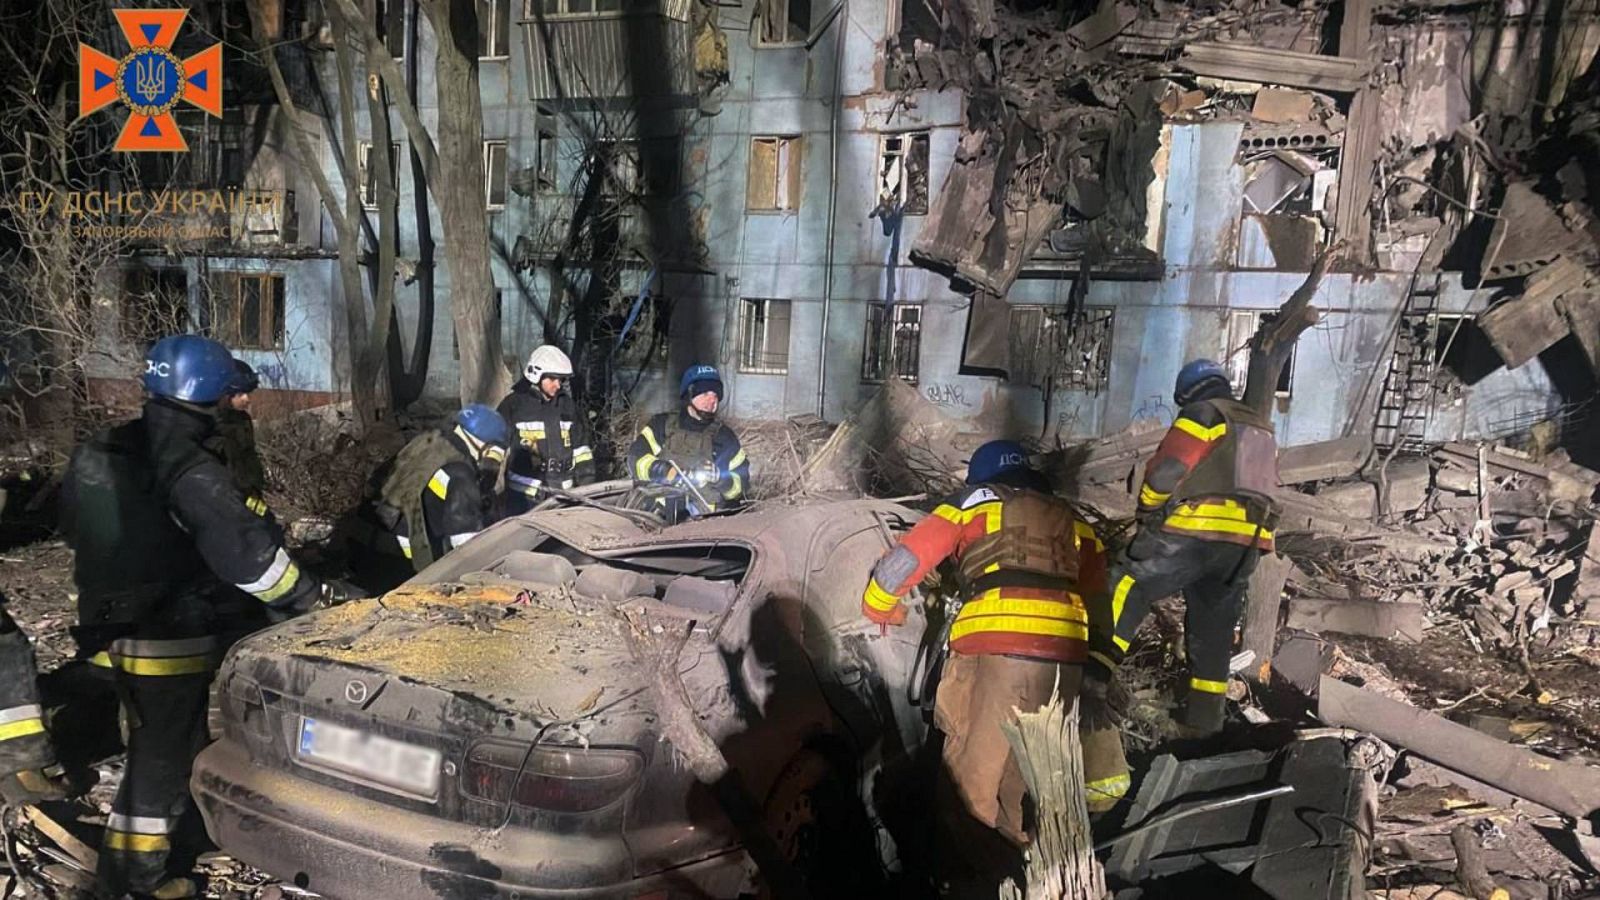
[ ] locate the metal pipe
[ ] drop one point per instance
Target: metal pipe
(833, 203)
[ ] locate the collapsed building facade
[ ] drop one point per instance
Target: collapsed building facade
(807, 196)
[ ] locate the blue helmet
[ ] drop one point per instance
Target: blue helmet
(995, 459)
(244, 380)
(1193, 376)
(188, 367)
(699, 379)
(484, 424)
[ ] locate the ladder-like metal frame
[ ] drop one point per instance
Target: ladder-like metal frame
(1406, 401)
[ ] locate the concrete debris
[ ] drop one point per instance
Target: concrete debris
(1283, 105)
(1528, 235)
(1260, 64)
(1403, 619)
(1524, 326)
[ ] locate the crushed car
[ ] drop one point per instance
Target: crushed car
(485, 729)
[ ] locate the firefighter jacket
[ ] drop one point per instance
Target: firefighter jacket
(235, 443)
(1213, 475)
(552, 445)
(157, 523)
(694, 447)
(430, 499)
(24, 744)
(1025, 565)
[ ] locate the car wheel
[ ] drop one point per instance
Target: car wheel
(821, 828)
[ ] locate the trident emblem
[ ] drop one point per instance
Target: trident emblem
(152, 79)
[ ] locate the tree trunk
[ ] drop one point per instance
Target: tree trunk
(388, 236)
(408, 379)
(362, 378)
(1061, 862)
(1274, 341)
(460, 197)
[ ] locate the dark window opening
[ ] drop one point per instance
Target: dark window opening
(156, 305)
(1461, 352)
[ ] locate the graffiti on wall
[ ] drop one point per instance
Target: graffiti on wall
(946, 394)
(276, 375)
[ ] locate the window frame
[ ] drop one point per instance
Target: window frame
(889, 357)
(1237, 357)
(366, 177)
(761, 42)
(791, 179)
(1053, 318)
(486, 52)
(272, 314)
(488, 177)
(747, 319)
(910, 137)
(140, 282)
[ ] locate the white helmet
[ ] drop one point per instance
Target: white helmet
(547, 360)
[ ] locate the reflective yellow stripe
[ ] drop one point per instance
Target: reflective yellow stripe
(1085, 532)
(284, 584)
(439, 484)
(738, 459)
(641, 469)
(153, 665)
(948, 513)
(650, 438)
(736, 489)
(991, 509)
(21, 728)
(1227, 509)
(1121, 643)
(1148, 497)
(582, 455)
(1114, 787)
(1225, 526)
(137, 843)
(256, 505)
(1191, 427)
(1118, 599)
(878, 598)
(1049, 627)
(1210, 687)
(990, 603)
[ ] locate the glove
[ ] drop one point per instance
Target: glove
(706, 474)
(32, 786)
(336, 591)
(1102, 701)
(882, 619)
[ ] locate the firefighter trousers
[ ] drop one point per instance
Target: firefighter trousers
(163, 685)
(23, 741)
(976, 694)
(1212, 576)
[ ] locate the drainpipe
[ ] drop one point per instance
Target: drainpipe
(833, 203)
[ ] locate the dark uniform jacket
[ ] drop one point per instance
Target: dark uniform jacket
(1212, 476)
(693, 445)
(552, 442)
(433, 484)
(160, 530)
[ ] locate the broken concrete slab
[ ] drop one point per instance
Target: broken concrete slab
(1263, 601)
(1283, 105)
(1566, 787)
(1404, 620)
(1523, 327)
(1408, 481)
(1243, 62)
(1108, 21)
(1581, 307)
(1356, 499)
(1528, 234)
(1457, 479)
(1338, 458)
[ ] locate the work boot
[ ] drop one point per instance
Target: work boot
(181, 887)
(1203, 713)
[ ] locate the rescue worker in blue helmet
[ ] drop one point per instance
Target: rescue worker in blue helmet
(688, 464)
(429, 498)
(1205, 517)
(162, 542)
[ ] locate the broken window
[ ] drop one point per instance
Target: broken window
(229, 167)
(764, 336)
(893, 345)
(156, 305)
(774, 174)
(546, 162)
(1242, 326)
(246, 310)
(1059, 348)
(903, 173)
(494, 29)
(494, 174)
(368, 172)
(783, 21)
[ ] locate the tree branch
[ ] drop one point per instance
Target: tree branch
(1274, 341)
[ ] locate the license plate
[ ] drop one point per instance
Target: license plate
(369, 757)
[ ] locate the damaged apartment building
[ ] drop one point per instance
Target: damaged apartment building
(1035, 215)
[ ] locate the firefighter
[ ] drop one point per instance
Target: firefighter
(552, 446)
(688, 464)
(235, 440)
(1025, 563)
(162, 539)
(28, 769)
(429, 497)
(1205, 517)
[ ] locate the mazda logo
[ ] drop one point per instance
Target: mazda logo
(355, 691)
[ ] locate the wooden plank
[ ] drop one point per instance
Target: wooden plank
(1353, 211)
(1263, 599)
(1241, 62)
(1563, 786)
(63, 838)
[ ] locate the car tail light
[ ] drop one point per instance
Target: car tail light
(560, 779)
